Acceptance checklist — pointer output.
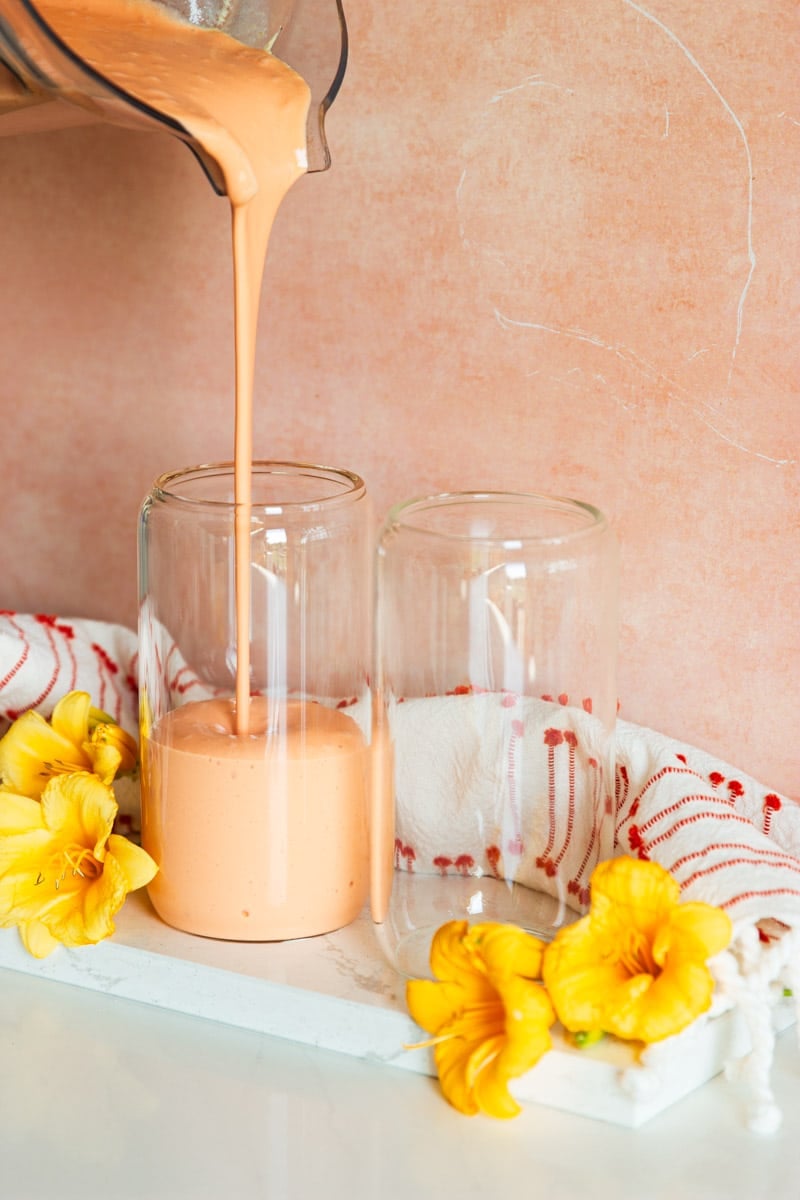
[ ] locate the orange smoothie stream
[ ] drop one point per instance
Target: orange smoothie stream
(255, 838)
(248, 110)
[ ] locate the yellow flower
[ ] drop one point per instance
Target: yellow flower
(77, 738)
(635, 966)
(489, 1016)
(63, 873)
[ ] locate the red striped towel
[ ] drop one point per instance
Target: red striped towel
(488, 783)
(44, 657)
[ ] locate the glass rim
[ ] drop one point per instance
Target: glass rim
(397, 518)
(163, 487)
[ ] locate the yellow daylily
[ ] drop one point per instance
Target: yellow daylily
(63, 873)
(488, 1014)
(77, 737)
(636, 965)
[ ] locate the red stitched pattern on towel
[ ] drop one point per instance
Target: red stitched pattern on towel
(26, 649)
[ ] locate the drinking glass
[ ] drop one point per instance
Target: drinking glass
(496, 635)
(255, 801)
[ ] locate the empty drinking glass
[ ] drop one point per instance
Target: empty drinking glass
(496, 653)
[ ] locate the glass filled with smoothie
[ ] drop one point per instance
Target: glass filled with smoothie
(256, 723)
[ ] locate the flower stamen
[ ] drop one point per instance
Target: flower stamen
(79, 856)
(635, 954)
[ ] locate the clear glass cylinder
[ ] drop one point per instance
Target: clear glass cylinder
(257, 820)
(496, 667)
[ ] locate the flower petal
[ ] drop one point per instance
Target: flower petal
(31, 752)
(103, 900)
(629, 893)
(457, 961)
(529, 1013)
(452, 1058)
(507, 949)
(38, 884)
(70, 717)
(21, 859)
(624, 880)
(490, 1087)
(432, 1005)
(135, 863)
(450, 957)
(491, 1092)
(18, 814)
(695, 930)
(582, 981)
(103, 759)
(37, 939)
(679, 995)
(98, 717)
(24, 845)
(114, 736)
(81, 809)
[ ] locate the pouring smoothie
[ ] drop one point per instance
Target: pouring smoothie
(241, 809)
(248, 110)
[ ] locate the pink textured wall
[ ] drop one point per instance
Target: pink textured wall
(557, 250)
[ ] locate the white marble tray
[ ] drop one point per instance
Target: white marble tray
(338, 992)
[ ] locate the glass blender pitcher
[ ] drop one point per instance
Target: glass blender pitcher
(45, 84)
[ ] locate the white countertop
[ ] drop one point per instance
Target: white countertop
(109, 1097)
